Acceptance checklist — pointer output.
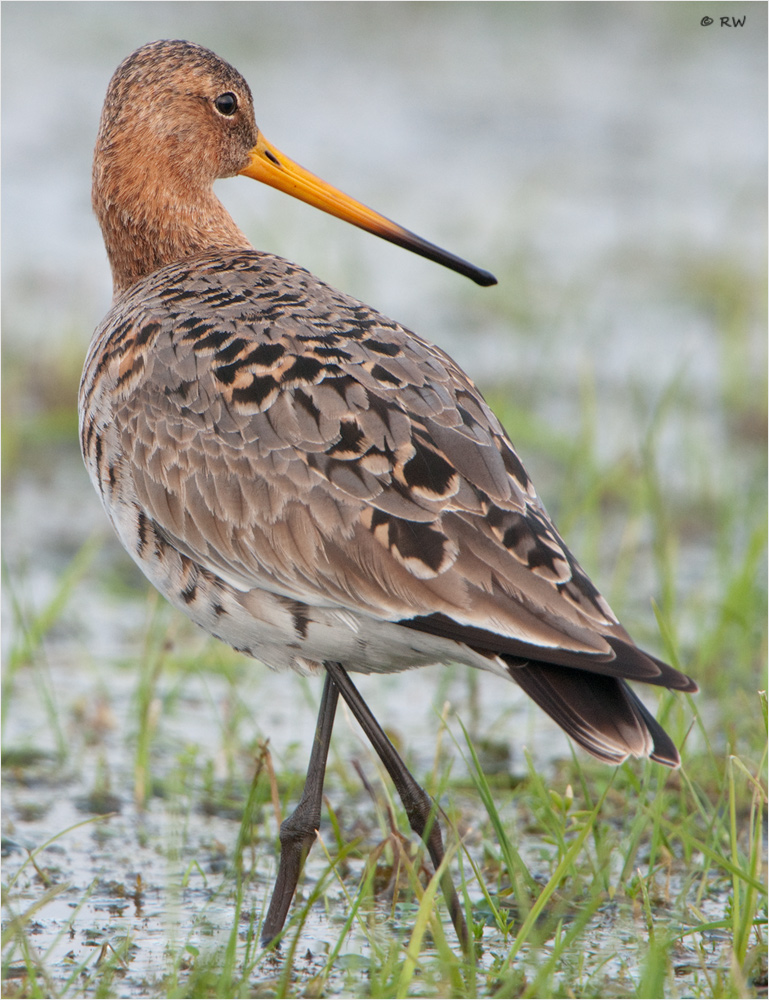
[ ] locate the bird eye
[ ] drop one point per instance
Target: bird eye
(226, 104)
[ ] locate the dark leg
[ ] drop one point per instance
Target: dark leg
(298, 832)
(420, 809)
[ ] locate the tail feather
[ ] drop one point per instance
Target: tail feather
(601, 713)
(584, 692)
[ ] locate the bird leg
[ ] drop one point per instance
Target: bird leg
(420, 809)
(299, 830)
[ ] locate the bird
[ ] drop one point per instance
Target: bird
(308, 480)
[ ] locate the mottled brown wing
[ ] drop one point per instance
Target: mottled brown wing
(289, 438)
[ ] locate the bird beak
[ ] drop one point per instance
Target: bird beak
(270, 166)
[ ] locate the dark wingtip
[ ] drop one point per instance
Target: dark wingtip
(633, 663)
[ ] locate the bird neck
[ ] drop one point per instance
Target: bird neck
(149, 221)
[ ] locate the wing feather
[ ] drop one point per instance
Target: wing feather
(332, 457)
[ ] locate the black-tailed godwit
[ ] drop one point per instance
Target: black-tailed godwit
(304, 478)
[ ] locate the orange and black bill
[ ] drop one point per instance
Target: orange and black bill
(270, 166)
